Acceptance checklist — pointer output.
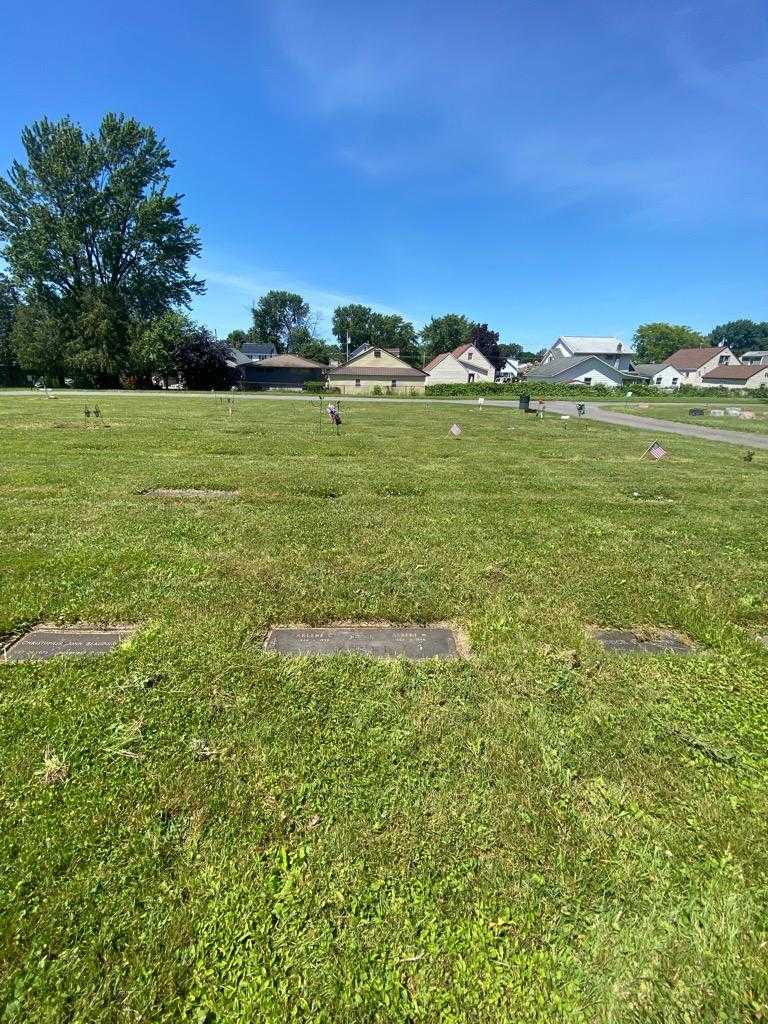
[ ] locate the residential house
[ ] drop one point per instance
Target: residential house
(748, 378)
(256, 351)
(510, 370)
(610, 350)
(755, 358)
(284, 371)
(649, 371)
(376, 368)
(588, 370)
(688, 366)
(466, 364)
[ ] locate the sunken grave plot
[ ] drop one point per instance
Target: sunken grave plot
(45, 642)
(186, 492)
(626, 641)
(416, 643)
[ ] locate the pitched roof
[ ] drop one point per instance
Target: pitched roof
(256, 348)
(692, 358)
(351, 369)
(594, 345)
(367, 346)
(755, 353)
(556, 367)
(436, 361)
(734, 372)
(380, 372)
(459, 351)
(236, 358)
(298, 362)
(648, 369)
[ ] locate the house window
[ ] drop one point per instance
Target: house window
(588, 381)
(357, 383)
(722, 360)
(658, 380)
(470, 378)
(394, 383)
(675, 381)
(377, 353)
(470, 354)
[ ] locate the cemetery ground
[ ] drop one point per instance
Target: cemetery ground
(196, 829)
(678, 413)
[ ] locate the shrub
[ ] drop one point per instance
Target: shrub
(552, 389)
(314, 387)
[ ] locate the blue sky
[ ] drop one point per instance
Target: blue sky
(548, 167)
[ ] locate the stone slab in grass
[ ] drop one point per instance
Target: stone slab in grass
(763, 640)
(45, 642)
(625, 641)
(413, 642)
(187, 492)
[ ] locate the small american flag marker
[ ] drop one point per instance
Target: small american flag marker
(655, 451)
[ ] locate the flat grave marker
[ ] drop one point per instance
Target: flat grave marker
(413, 642)
(625, 641)
(45, 642)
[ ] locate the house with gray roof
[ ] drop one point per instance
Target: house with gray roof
(587, 370)
(611, 350)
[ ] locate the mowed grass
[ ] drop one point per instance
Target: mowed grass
(194, 830)
(679, 414)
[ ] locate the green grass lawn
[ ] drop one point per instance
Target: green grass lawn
(194, 830)
(679, 414)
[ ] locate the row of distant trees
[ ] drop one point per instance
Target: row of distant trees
(657, 341)
(98, 259)
(285, 320)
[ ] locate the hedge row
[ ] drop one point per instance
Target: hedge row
(551, 389)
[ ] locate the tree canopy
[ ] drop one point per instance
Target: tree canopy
(445, 333)
(741, 335)
(278, 316)
(94, 238)
(487, 341)
(367, 327)
(656, 342)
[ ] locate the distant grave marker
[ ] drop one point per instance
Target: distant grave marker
(187, 492)
(413, 642)
(625, 641)
(456, 430)
(46, 642)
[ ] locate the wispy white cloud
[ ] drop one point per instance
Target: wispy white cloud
(659, 108)
(249, 284)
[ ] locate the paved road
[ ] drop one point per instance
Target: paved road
(622, 419)
(602, 413)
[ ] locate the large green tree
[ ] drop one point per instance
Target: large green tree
(279, 317)
(36, 341)
(10, 371)
(487, 341)
(444, 334)
(91, 231)
(741, 335)
(654, 343)
(361, 325)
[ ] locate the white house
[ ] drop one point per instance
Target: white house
(510, 370)
(737, 377)
(588, 370)
(610, 350)
(465, 365)
(689, 365)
